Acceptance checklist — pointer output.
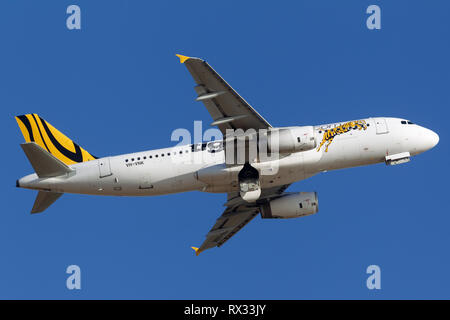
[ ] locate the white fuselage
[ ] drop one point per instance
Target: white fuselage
(173, 170)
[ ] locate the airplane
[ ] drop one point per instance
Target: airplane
(254, 184)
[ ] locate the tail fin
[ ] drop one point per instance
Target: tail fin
(44, 200)
(35, 129)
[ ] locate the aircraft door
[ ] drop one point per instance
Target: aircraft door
(104, 167)
(381, 125)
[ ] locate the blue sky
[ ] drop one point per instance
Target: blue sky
(115, 86)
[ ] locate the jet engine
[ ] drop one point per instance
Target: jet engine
(291, 139)
(291, 205)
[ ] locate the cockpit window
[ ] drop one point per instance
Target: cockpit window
(409, 122)
(403, 122)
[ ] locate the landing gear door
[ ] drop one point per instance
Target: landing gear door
(104, 167)
(381, 125)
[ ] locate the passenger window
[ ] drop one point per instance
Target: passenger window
(150, 157)
(126, 160)
(139, 158)
(132, 159)
(181, 152)
(162, 154)
(145, 157)
(168, 153)
(156, 156)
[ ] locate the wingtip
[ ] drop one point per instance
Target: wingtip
(197, 251)
(182, 58)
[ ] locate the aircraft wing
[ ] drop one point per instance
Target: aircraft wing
(227, 108)
(237, 214)
(228, 224)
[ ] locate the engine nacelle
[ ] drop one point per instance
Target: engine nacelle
(291, 139)
(291, 205)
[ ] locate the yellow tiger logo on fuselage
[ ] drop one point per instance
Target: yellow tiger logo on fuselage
(330, 134)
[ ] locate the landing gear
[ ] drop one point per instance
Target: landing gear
(249, 186)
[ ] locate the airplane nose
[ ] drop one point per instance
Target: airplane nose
(434, 139)
(428, 139)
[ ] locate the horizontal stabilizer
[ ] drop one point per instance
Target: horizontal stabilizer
(43, 200)
(44, 163)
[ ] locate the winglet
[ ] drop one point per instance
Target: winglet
(197, 252)
(182, 58)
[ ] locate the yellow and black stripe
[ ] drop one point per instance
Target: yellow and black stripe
(36, 129)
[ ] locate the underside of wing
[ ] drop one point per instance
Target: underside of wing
(237, 214)
(226, 226)
(227, 108)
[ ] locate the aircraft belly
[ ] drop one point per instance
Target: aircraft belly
(284, 171)
(151, 182)
(83, 181)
